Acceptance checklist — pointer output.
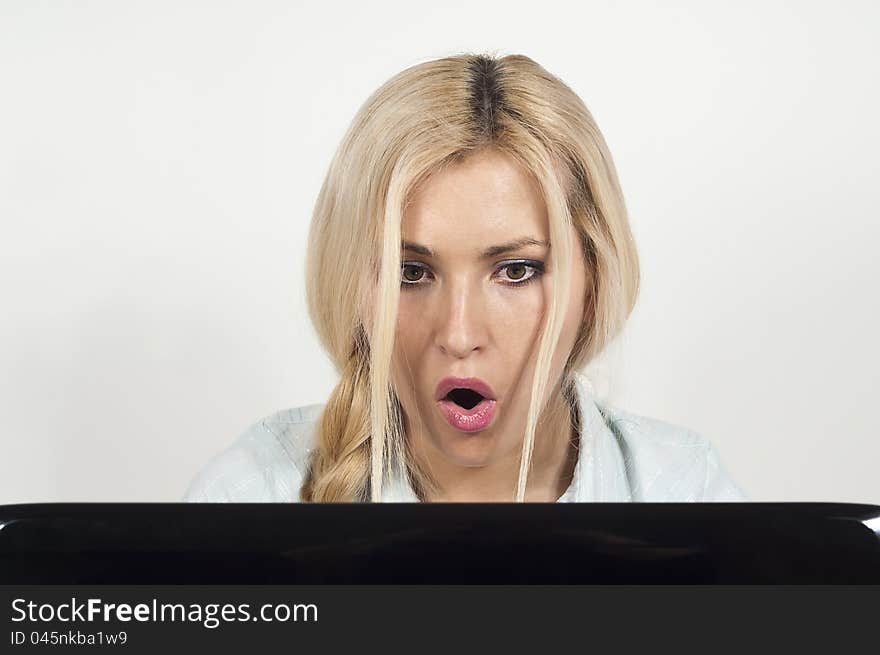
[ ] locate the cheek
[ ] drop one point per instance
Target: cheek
(413, 331)
(514, 316)
(412, 346)
(405, 362)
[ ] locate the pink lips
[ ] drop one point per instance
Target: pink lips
(467, 420)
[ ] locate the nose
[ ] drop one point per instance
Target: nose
(461, 328)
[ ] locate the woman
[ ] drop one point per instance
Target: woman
(458, 332)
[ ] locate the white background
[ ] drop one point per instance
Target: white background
(159, 163)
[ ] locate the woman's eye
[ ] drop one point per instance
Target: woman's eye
(512, 274)
(411, 274)
(517, 273)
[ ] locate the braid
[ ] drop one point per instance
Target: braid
(339, 468)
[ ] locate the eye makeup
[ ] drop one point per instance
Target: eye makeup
(413, 273)
(534, 269)
(417, 268)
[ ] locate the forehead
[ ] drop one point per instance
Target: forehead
(485, 199)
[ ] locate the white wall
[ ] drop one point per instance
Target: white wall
(159, 163)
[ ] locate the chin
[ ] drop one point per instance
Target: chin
(470, 449)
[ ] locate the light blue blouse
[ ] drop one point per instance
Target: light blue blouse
(622, 458)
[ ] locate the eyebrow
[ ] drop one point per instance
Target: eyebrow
(491, 251)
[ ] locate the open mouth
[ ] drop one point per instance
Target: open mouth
(464, 398)
(467, 410)
(467, 404)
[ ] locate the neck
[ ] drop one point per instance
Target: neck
(554, 458)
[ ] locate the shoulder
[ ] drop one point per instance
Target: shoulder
(665, 462)
(266, 463)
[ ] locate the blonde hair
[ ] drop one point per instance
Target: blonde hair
(423, 119)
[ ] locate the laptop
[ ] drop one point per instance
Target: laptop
(437, 543)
